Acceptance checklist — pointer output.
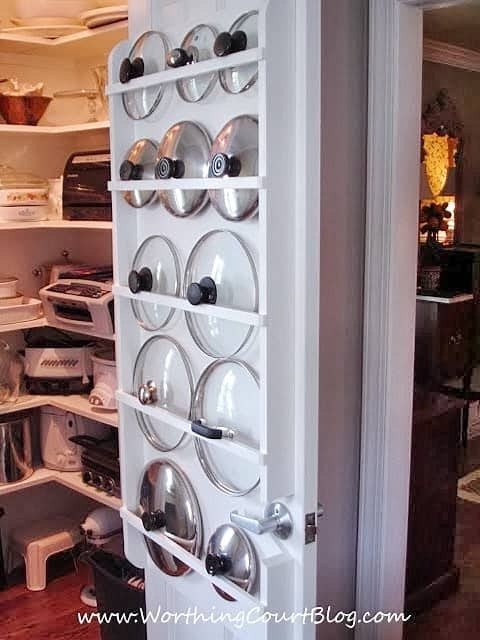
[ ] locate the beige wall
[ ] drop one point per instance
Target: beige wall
(464, 89)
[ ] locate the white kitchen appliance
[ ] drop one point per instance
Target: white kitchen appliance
(56, 427)
(23, 196)
(59, 369)
(102, 395)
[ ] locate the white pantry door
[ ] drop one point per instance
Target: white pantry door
(247, 361)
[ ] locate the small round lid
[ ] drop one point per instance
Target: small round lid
(148, 55)
(168, 504)
(234, 152)
(231, 554)
(243, 34)
(220, 270)
(139, 164)
(162, 378)
(196, 46)
(183, 153)
(155, 268)
(227, 397)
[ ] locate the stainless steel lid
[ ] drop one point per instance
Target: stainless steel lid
(155, 268)
(168, 504)
(139, 164)
(234, 153)
(148, 55)
(183, 153)
(196, 46)
(220, 270)
(231, 554)
(243, 34)
(162, 378)
(227, 399)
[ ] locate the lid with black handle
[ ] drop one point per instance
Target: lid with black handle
(139, 164)
(183, 153)
(243, 34)
(234, 153)
(168, 504)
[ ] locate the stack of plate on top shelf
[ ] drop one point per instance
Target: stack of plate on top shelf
(104, 15)
(47, 18)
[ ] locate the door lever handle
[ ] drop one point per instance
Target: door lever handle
(277, 519)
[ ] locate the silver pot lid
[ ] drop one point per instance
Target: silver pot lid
(148, 55)
(139, 164)
(220, 270)
(227, 397)
(243, 34)
(234, 153)
(168, 504)
(183, 153)
(231, 555)
(196, 46)
(162, 378)
(155, 268)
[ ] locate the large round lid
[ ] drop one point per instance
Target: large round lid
(148, 55)
(221, 271)
(139, 164)
(155, 268)
(227, 402)
(234, 153)
(196, 46)
(183, 153)
(168, 504)
(231, 555)
(162, 378)
(243, 34)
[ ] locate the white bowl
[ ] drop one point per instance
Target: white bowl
(51, 8)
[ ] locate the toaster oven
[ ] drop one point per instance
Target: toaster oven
(85, 186)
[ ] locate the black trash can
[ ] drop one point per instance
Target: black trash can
(114, 578)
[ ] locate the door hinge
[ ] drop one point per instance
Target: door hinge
(311, 524)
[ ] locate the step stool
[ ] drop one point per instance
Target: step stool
(37, 541)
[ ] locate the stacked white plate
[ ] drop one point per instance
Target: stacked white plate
(104, 15)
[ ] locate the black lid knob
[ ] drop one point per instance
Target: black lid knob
(223, 165)
(130, 171)
(204, 291)
(216, 564)
(130, 69)
(140, 280)
(179, 57)
(153, 520)
(227, 43)
(169, 168)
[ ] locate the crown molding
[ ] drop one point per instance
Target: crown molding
(451, 55)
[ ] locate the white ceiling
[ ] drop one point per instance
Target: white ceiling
(458, 25)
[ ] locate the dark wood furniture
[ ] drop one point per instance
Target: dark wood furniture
(431, 573)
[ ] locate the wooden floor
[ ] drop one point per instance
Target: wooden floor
(49, 614)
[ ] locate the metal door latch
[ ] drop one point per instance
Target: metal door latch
(311, 524)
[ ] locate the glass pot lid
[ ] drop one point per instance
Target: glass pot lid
(168, 504)
(243, 34)
(162, 378)
(183, 153)
(139, 164)
(156, 269)
(148, 55)
(234, 153)
(196, 46)
(226, 402)
(220, 270)
(231, 555)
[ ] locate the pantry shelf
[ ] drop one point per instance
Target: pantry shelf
(18, 326)
(57, 224)
(39, 130)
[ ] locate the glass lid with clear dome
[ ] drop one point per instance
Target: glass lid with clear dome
(148, 55)
(243, 34)
(168, 504)
(155, 269)
(162, 378)
(196, 46)
(227, 405)
(220, 271)
(139, 164)
(183, 153)
(234, 152)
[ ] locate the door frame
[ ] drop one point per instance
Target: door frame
(393, 152)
